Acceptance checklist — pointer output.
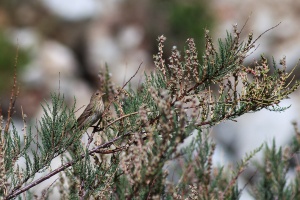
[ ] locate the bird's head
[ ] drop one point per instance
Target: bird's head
(97, 96)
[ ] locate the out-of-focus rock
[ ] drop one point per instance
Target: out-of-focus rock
(73, 10)
(122, 52)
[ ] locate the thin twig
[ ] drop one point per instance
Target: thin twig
(264, 33)
(25, 126)
(252, 51)
(126, 67)
(59, 83)
(45, 191)
(245, 23)
(249, 180)
(132, 75)
(14, 94)
(110, 151)
(233, 181)
(79, 109)
(81, 190)
(122, 88)
(108, 125)
(153, 181)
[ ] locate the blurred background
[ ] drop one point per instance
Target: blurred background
(67, 43)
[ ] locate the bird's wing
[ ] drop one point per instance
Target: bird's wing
(85, 114)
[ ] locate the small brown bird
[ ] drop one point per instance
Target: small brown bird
(93, 112)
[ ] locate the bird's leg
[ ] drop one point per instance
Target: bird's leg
(96, 129)
(88, 135)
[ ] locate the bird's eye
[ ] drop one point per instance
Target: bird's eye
(97, 93)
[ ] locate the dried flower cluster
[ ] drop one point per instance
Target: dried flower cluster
(222, 87)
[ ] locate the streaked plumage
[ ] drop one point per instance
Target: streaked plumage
(92, 112)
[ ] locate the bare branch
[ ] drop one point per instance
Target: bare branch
(15, 193)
